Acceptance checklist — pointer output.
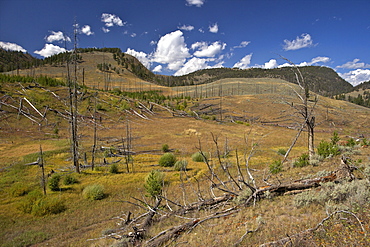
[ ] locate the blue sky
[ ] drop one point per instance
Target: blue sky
(176, 37)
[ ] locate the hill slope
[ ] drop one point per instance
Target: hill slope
(109, 68)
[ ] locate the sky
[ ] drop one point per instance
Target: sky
(177, 37)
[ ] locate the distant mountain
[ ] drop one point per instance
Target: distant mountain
(13, 60)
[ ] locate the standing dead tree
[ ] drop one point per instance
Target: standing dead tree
(72, 89)
(304, 110)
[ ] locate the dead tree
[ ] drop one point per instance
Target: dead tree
(304, 110)
(95, 136)
(72, 90)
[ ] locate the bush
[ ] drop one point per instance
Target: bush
(198, 157)
(326, 149)
(303, 160)
(94, 192)
(154, 183)
(68, 180)
(181, 165)
(281, 151)
(54, 182)
(47, 206)
(165, 148)
(335, 138)
(113, 169)
(19, 189)
(167, 160)
(37, 204)
(351, 142)
(276, 167)
(350, 194)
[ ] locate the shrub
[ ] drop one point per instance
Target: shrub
(47, 206)
(69, 179)
(19, 189)
(154, 183)
(93, 192)
(351, 142)
(281, 151)
(276, 167)
(198, 157)
(54, 182)
(181, 165)
(37, 204)
(167, 160)
(113, 169)
(326, 149)
(165, 148)
(303, 160)
(335, 138)
(353, 194)
(26, 205)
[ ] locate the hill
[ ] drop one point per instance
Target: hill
(360, 95)
(110, 68)
(322, 80)
(15, 60)
(243, 126)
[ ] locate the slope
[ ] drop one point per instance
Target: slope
(258, 110)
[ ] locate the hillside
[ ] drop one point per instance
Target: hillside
(110, 68)
(322, 80)
(243, 125)
(360, 95)
(15, 60)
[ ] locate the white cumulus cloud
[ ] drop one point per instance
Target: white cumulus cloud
(244, 62)
(205, 50)
(11, 46)
(158, 69)
(87, 30)
(213, 28)
(300, 42)
(57, 36)
(49, 50)
(356, 77)
(172, 50)
(186, 27)
(192, 65)
(316, 60)
(110, 20)
(355, 64)
(141, 56)
(270, 64)
(197, 3)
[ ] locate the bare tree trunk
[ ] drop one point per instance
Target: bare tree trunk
(310, 130)
(95, 137)
(41, 164)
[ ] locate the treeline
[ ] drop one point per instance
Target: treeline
(321, 80)
(61, 59)
(41, 80)
(14, 60)
(363, 100)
